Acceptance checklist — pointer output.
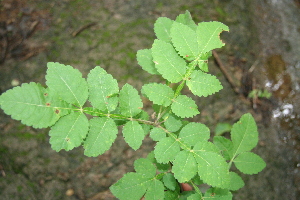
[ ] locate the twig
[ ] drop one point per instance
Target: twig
(77, 32)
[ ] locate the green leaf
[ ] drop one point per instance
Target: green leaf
(249, 163)
(67, 82)
(157, 134)
(193, 133)
(225, 146)
(186, 19)
(184, 40)
(236, 182)
(103, 132)
(244, 134)
(132, 186)
(184, 106)
(33, 105)
(145, 167)
(217, 194)
(203, 84)
(69, 131)
(208, 36)
(184, 166)
(170, 181)
(166, 150)
(159, 93)
(212, 168)
(145, 60)
(102, 90)
(222, 128)
(173, 123)
(155, 190)
(162, 28)
(133, 134)
(130, 101)
(194, 197)
(167, 62)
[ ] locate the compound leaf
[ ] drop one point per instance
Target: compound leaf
(145, 167)
(166, 150)
(184, 40)
(33, 105)
(130, 101)
(162, 28)
(212, 167)
(102, 89)
(132, 186)
(145, 60)
(167, 62)
(155, 190)
(103, 132)
(236, 182)
(184, 106)
(244, 134)
(186, 19)
(159, 93)
(249, 163)
(208, 36)
(193, 133)
(133, 134)
(184, 166)
(69, 131)
(67, 82)
(203, 84)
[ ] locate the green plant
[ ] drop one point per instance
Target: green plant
(182, 153)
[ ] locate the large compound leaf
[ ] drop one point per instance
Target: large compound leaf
(33, 105)
(184, 106)
(160, 94)
(69, 131)
(167, 62)
(132, 186)
(130, 101)
(208, 36)
(67, 82)
(145, 60)
(102, 90)
(186, 19)
(103, 132)
(244, 134)
(184, 40)
(184, 166)
(249, 163)
(162, 28)
(133, 134)
(194, 132)
(166, 150)
(203, 84)
(212, 168)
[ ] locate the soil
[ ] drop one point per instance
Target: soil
(261, 52)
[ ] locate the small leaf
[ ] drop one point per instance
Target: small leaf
(184, 40)
(244, 134)
(203, 84)
(184, 106)
(170, 181)
(193, 133)
(218, 194)
(155, 190)
(69, 132)
(67, 82)
(132, 186)
(184, 166)
(166, 150)
(167, 62)
(225, 146)
(102, 88)
(130, 101)
(33, 105)
(173, 123)
(145, 167)
(157, 134)
(222, 128)
(236, 182)
(208, 36)
(196, 196)
(249, 163)
(103, 132)
(160, 94)
(162, 28)
(186, 19)
(145, 60)
(133, 134)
